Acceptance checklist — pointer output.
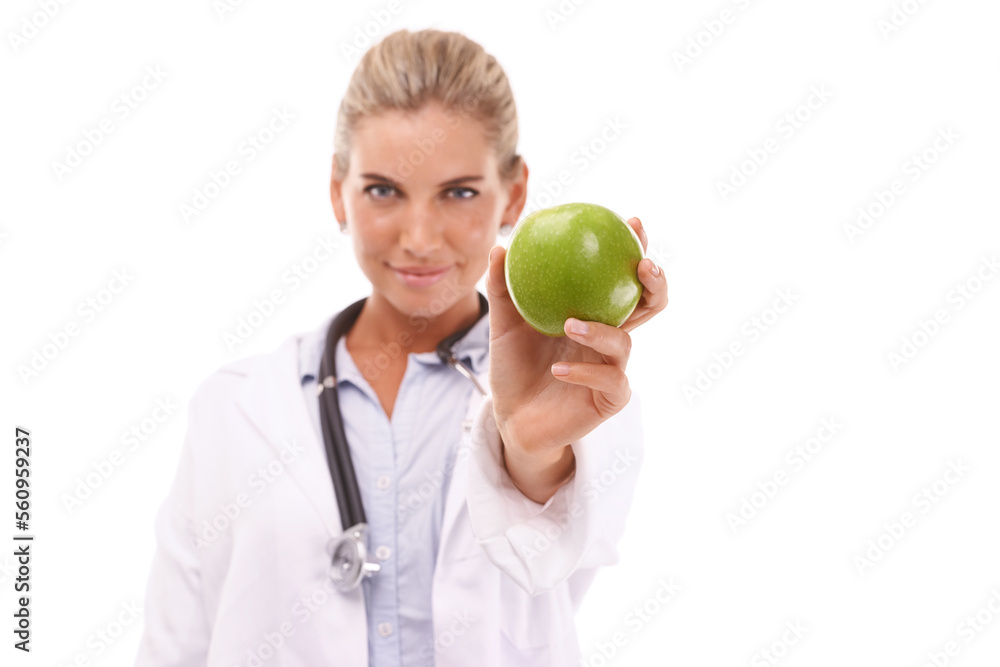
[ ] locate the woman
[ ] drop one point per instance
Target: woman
(486, 541)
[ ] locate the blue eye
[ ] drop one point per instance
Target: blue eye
(463, 193)
(380, 190)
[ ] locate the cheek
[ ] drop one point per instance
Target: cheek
(370, 243)
(476, 252)
(475, 238)
(482, 229)
(372, 234)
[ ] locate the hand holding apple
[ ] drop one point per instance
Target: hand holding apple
(551, 391)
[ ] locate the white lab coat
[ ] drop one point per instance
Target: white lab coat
(509, 574)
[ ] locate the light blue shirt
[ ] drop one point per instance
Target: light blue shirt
(403, 466)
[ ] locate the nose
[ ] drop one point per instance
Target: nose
(420, 233)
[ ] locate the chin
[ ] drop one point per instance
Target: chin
(427, 302)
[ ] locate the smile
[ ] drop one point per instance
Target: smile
(421, 276)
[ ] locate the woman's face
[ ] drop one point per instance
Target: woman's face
(423, 200)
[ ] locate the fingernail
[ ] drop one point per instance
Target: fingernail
(493, 253)
(578, 327)
(654, 269)
(560, 369)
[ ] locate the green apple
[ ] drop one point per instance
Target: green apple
(573, 260)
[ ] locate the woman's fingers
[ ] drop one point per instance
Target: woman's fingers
(612, 343)
(608, 379)
(654, 294)
(636, 224)
(654, 282)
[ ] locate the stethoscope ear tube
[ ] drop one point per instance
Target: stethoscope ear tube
(338, 454)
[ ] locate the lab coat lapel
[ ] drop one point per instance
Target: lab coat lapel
(455, 501)
(271, 398)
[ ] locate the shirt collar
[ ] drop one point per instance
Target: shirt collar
(473, 349)
(311, 350)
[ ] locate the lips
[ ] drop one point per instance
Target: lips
(420, 276)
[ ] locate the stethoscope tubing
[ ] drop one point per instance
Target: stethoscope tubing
(338, 453)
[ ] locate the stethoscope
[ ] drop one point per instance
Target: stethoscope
(350, 563)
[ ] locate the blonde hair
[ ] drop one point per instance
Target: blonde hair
(407, 69)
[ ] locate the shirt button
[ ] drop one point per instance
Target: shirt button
(383, 552)
(384, 629)
(383, 483)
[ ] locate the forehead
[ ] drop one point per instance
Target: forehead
(430, 141)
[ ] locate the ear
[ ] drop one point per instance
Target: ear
(335, 194)
(517, 195)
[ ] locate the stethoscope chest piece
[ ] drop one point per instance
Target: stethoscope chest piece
(350, 564)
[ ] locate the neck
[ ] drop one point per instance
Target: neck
(380, 324)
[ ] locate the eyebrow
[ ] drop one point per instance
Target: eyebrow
(454, 181)
(462, 179)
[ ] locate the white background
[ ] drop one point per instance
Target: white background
(686, 126)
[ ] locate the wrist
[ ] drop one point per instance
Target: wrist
(538, 474)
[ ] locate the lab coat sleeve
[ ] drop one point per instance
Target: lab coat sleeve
(578, 528)
(176, 630)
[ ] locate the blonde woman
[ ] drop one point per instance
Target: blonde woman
(488, 468)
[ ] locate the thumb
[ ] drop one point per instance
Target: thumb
(503, 313)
